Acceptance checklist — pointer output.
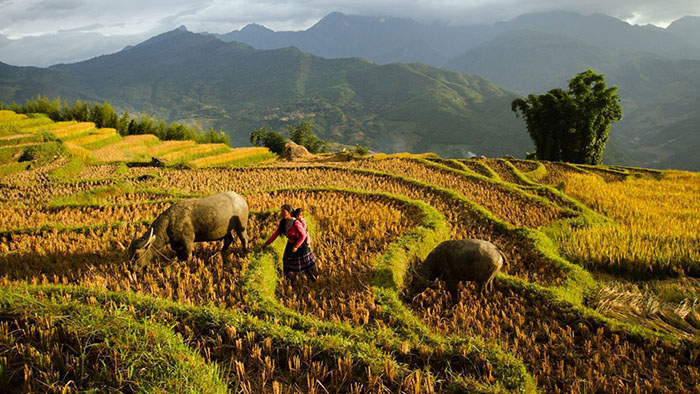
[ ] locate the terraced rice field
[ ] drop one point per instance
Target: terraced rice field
(77, 315)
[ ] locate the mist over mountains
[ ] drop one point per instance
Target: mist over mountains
(391, 106)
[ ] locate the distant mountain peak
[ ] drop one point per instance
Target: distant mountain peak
(335, 15)
(689, 25)
(330, 20)
(181, 28)
(176, 37)
(255, 28)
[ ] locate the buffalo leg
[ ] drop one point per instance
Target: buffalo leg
(243, 236)
(228, 240)
(184, 249)
(453, 287)
(184, 253)
(240, 228)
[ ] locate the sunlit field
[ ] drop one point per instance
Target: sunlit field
(599, 292)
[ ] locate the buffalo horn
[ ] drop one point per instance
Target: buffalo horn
(151, 238)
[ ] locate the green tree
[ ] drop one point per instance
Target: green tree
(361, 150)
(572, 125)
(123, 123)
(212, 136)
(265, 136)
(303, 134)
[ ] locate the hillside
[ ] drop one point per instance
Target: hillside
(186, 77)
(584, 303)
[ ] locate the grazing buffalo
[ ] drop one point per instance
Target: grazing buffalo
(453, 261)
(196, 220)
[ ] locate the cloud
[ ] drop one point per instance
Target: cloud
(21, 18)
(34, 17)
(57, 5)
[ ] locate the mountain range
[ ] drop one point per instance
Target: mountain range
(656, 69)
(189, 77)
(390, 40)
(403, 106)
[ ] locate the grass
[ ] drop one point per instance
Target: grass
(239, 157)
(43, 153)
(97, 138)
(22, 139)
(94, 198)
(69, 170)
(195, 152)
(143, 355)
(10, 154)
(12, 168)
(73, 130)
(389, 270)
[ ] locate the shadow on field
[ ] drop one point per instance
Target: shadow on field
(71, 266)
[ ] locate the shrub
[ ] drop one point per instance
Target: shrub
(269, 138)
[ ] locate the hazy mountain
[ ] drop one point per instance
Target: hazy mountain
(534, 62)
(233, 86)
(687, 27)
(380, 39)
(654, 90)
(20, 83)
(386, 40)
(197, 78)
(526, 61)
(663, 135)
(607, 32)
(62, 47)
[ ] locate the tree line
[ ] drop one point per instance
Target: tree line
(301, 134)
(104, 115)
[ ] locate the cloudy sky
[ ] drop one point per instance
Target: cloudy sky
(46, 32)
(21, 18)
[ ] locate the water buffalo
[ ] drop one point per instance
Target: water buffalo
(195, 220)
(457, 260)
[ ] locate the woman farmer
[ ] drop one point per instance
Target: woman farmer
(297, 254)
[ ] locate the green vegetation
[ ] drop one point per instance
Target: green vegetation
(7, 169)
(361, 150)
(269, 138)
(43, 153)
(572, 125)
(53, 341)
(69, 170)
(104, 116)
(303, 134)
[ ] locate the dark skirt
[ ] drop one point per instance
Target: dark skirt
(300, 260)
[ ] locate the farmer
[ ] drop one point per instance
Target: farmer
(298, 214)
(297, 255)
